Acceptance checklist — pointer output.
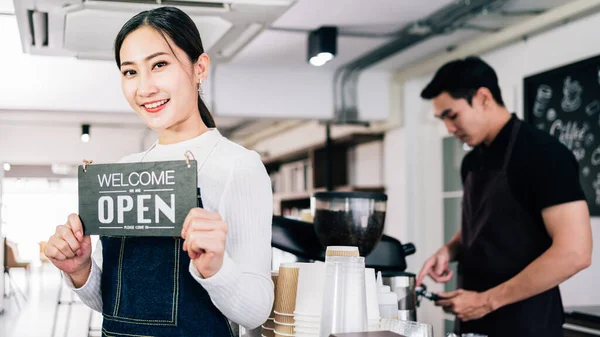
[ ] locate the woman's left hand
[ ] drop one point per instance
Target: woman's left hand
(205, 233)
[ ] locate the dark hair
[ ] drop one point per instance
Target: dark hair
(180, 28)
(462, 78)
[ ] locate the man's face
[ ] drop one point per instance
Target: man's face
(466, 122)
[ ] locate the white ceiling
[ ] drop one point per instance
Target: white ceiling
(376, 16)
(282, 48)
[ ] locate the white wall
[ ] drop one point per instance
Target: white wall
(292, 93)
(61, 144)
(563, 45)
(366, 165)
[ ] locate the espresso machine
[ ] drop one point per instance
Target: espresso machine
(352, 219)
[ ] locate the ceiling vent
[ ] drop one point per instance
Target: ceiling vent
(86, 29)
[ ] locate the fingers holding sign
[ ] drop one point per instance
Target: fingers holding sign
(70, 251)
(205, 234)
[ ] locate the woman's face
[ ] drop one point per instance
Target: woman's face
(160, 82)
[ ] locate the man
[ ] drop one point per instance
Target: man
(525, 222)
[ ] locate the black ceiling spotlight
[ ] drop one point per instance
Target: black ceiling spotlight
(85, 133)
(322, 45)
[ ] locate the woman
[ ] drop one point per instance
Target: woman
(146, 286)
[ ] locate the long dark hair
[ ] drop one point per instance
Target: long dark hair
(172, 22)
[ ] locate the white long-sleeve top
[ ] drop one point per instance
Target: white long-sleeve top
(233, 182)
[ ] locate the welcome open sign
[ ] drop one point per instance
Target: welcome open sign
(137, 199)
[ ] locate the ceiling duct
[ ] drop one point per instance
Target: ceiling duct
(86, 28)
(443, 21)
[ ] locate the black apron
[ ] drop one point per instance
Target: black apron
(147, 290)
(499, 240)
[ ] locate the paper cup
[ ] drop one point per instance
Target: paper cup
(287, 319)
(274, 276)
(284, 334)
(270, 323)
(311, 281)
(287, 286)
(307, 318)
(284, 329)
(268, 333)
(285, 324)
(342, 251)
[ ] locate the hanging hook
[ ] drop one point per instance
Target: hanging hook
(86, 163)
(187, 157)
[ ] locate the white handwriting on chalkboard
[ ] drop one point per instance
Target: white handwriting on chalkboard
(596, 185)
(595, 159)
(144, 178)
(551, 115)
(106, 208)
(544, 94)
(579, 153)
(585, 171)
(571, 95)
(592, 108)
(570, 133)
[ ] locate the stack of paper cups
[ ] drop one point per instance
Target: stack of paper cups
(285, 299)
(268, 327)
(309, 299)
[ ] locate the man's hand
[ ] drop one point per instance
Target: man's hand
(467, 305)
(205, 234)
(437, 267)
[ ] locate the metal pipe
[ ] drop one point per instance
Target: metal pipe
(328, 159)
(442, 21)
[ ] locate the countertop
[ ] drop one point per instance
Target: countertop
(589, 313)
(585, 317)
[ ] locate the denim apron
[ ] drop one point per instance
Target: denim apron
(147, 290)
(500, 239)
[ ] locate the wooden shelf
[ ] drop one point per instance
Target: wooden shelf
(306, 168)
(344, 141)
(292, 196)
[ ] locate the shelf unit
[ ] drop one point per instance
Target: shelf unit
(297, 175)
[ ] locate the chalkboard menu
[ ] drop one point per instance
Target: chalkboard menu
(565, 102)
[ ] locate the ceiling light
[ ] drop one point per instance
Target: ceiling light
(322, 45)
(85, 133)
(6, 167)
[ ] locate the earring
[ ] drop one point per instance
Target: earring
(200, 88)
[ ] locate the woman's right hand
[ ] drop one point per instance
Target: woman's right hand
(70, 251)
(437, 267)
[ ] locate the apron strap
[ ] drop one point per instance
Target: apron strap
(513, 139)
